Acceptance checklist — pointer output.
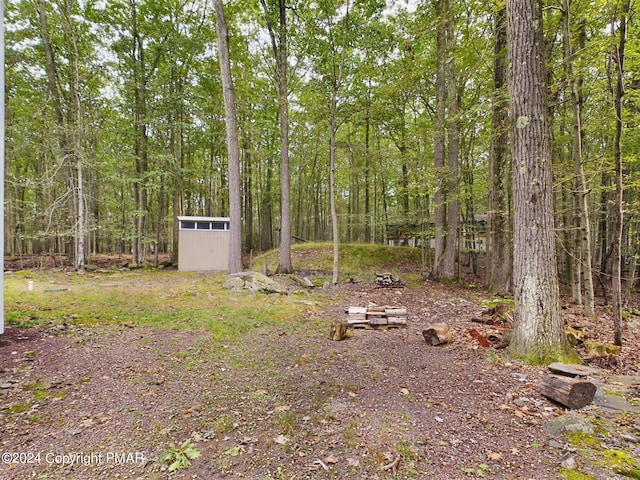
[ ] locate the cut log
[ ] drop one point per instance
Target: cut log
(357, 315)
(387, 280)
(395, 312)
(487, 320)
(338, 331)
(570, 392)
(437, 334)
(376, 309)
(397, 320)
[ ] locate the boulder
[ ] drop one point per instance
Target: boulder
(254, 282)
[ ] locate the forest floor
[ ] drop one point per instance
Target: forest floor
(126, 402)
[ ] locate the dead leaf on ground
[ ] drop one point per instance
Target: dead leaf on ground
(331, 459)
(353, 462)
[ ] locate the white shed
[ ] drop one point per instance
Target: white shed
(204, 243)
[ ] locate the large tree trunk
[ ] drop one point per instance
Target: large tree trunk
(538, 333)
(233, 149)
(499, 253)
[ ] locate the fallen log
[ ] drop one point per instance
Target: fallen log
(569, 392)
(338, 330)
(487, 321)
(437, 334)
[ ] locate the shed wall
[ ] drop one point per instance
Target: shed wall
(203, 250)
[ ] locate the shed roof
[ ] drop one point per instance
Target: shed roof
(204, 219)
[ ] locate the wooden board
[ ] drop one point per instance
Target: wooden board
(368, 326)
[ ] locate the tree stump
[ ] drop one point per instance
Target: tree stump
(338, 330)
(570, 392)
(437, 334)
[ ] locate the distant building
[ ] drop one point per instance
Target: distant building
(414, 234)
(203, 243)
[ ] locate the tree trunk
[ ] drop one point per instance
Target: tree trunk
(499, 253)
(440, 196)
(141, 141)
(233, 149)
(538, 333)
(79, 230)
(332, 183)
(450, 260)
(279, 47)
(582, 272)
(618, 55)
(64, 141)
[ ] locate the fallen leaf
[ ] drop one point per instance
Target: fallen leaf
(281, 440)
(331, 459)
(353, 462)
(404, 391)
(283, 408)
(515, 451)
(495, 456)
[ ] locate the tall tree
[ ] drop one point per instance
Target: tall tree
(618, 58)
(582, 273)
(280, 54)
(447, 202)
(439, 141)
(67, 109)
(538, 333)
(499, 252)
(233, 147)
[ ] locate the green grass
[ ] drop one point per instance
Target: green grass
(355, 260)
(189, 300)
(172, 300)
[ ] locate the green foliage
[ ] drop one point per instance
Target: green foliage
(479, 471)
(576, 475)
(622, 463)
(583, 439)
(19, 407)
(179, 457)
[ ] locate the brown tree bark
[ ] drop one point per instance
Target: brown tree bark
(538, 333)
(280, 51)
(450, 262)
(440, 198)
(233, 148)
(499, 253)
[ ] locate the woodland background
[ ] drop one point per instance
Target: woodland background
(115, 124)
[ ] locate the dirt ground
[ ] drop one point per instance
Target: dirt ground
(107, 403)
